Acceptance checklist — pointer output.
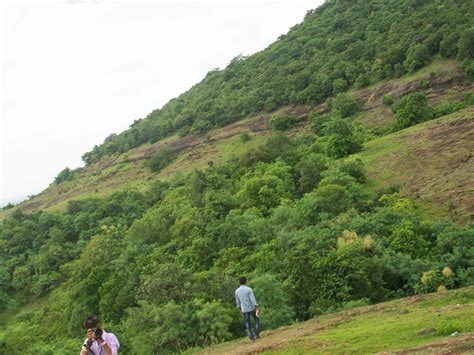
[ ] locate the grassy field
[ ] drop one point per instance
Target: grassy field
(420, 324)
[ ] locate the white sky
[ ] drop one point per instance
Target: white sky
(75, 71)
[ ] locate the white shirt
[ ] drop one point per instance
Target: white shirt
(111, 341)
(245, 299)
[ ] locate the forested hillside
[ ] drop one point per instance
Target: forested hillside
(340, 45)
(296, 210)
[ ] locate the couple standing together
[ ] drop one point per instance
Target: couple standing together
(248, 306)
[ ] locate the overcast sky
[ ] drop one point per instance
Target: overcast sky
(75, 71)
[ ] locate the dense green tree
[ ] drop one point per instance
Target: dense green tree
(346, 105)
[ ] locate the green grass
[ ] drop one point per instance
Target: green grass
(387, 326)
(429, 161)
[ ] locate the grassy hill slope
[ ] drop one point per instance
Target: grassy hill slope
(446, 83)
(418, 324)
(432, 162)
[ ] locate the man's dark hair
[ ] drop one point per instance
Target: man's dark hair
(243, 280)
(91, 322)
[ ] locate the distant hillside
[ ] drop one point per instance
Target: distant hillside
(341, 45)
(129, 170)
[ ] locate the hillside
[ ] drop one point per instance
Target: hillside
(433, 162)
(129, 170)
(418, 324)
(333, 169)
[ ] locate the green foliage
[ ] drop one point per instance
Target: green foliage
(417, 57)
(160, 266)
(435, 280)
(65, 175)
(388, 100)
(245, 137)
(282, 122)
(341, 138)
(411, 109)
(346, 105)
(316, 121)
(468, 67)
(448, 47)
(275, 309)
(161, 159)
(466, 44)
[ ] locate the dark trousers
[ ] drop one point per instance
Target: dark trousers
(248, 325)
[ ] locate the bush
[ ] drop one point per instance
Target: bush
(245, 137)
(341, 140)
(338, 86)
(448, 46)
(412, 109)
(466, 45)
(316, 121)
(468, 68)
(417, 57)
(274, 304)
(424, 84)
(282, 122)
(362, 81)
(388, 100)
(65, 175)
(162, 159)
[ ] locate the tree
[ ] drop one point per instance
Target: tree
(273, 302)
(161, 159)
(282, 122)
(345, 104)
(466, 44)
(412, 109)
(341, 139)
(64, 175)
(417, 57)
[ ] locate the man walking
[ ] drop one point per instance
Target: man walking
(248, 306)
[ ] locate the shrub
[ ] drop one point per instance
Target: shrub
(245, 137)
(417, 57)
(345, 104)
(338, 86)
(448, 46)
(388, 100)
(65, 175)
(468, 68)
(466, 45)
(282, 122)
(316, 121)
(162, 159)
(412, 109)
(424, 84)
(362, 81)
